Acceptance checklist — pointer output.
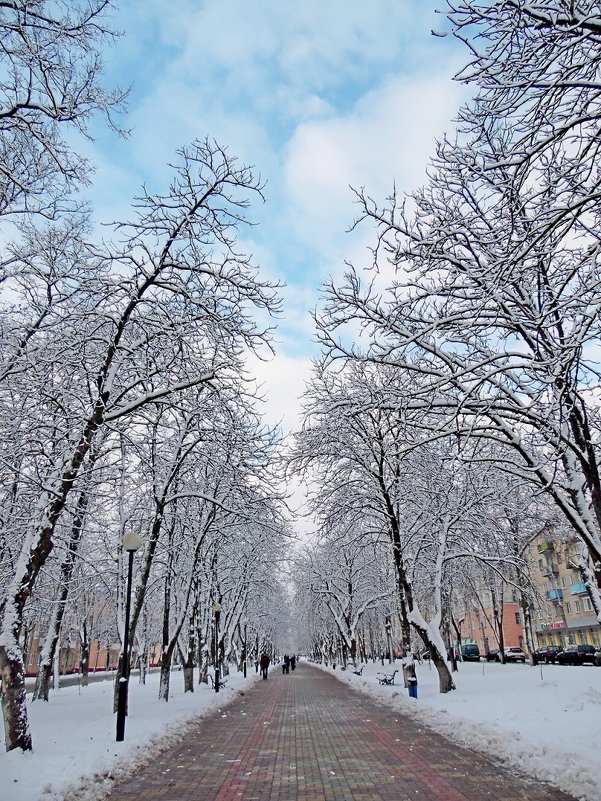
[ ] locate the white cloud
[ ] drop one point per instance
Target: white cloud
(282, 381)
(387, 138)
(308, 44)
(318, 95)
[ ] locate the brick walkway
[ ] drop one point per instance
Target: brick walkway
(308, 737)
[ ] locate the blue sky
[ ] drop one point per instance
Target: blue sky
(319, 96)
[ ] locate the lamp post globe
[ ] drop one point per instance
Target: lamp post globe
(131, 543)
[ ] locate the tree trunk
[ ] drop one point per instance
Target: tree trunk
(445, 680)
(498, 618)
(41, 545)
(203, 664)
(405, 625)
(44, 677)
(14, 703)
(166, 657)
(188, 657)
(84, 660)
(526, 612)
(188, 678)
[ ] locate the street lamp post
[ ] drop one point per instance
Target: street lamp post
(245, 653)
(217, 613)
(131, 543)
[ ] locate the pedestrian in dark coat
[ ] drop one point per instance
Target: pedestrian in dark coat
(264, 663)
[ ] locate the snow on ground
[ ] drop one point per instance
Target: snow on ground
(546, 721)
(74, 736)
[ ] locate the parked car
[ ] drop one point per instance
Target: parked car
(470, 652)
(514, 654)
(598, 656)
(548, 653)
(493, 656)
(577, 655)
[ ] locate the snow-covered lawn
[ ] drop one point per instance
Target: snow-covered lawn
(74, 735)
(544, 720)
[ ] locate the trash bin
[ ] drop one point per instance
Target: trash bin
(410, 679)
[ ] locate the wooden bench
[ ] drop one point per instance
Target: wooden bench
(386, 678)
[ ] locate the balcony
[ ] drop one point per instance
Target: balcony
(579, 588)
(551, 569)
(544, 546)
(555, 595)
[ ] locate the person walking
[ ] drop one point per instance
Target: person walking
(264, 663)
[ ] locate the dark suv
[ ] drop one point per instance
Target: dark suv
(577, 655)
(548, 653)
(470, 652)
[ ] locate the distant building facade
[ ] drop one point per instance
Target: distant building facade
(563, 613)
(481, 627)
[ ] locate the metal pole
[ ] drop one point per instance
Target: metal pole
(217, 672)
(124, 680)
(245, 654)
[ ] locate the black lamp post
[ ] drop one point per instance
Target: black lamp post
(131, 543)
(217, 612)
(245, 652)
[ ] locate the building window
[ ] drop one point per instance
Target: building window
(568, 610)
(587, 605)
(541, 566)
(577, 606)
(518, 619)
(563, 582)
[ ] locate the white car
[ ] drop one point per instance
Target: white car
(514, 654)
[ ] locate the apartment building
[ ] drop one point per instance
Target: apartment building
(481, 626)
(103, 656)
(563, 612)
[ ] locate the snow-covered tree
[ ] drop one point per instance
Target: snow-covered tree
(342, 569)
(168, 308)
(484, 289)
(50, 86)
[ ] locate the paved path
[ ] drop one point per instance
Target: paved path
(308, 737)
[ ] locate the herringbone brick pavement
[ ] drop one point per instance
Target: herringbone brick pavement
(307, 737)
